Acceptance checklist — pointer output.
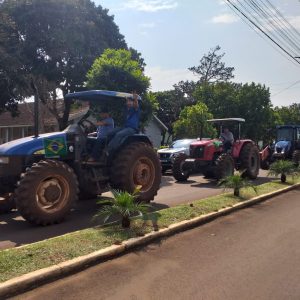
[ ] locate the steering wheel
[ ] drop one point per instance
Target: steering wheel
(87, 126)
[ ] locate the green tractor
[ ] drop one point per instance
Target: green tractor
(43, 175)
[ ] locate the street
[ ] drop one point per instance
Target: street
(251, 254)
(15, 231)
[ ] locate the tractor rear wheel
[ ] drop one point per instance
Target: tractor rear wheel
(137, 164)
(250, 161)
(7, 203)
(178, 172)
(46, 192)
(224, 166)
(296, 157)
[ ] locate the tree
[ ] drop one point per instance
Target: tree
(192, 122)
(12, 75)
(170, 104)
(249, 101)
(289, 115)
(212, 69)
(116, 70)
(59, 42)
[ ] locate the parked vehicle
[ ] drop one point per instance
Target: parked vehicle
(209, 157)
(44, 175)
(286, 146)
(167, 155)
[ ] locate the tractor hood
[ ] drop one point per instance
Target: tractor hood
(28, 145)
(204, 143)
(282, 146)
(171, 150)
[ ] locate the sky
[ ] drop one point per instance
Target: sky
(173, 35)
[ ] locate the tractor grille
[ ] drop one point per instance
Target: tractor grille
(278, 150)
(164, 155)
(197, 152)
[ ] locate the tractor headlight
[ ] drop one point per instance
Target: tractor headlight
(4, 160)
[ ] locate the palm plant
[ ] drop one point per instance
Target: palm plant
(283, 168)
(123, 205)
(236, 182)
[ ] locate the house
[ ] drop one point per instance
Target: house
(154, 130)
(12, 128)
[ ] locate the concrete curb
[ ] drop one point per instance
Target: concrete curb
(34, 279)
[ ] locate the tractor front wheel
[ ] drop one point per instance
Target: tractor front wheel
(250, 161)
(46, 192)
(179, 173)
(137, 165)
(224, 166)
(7, 203)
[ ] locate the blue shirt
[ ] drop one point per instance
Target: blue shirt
(132, 117)
(104, 130)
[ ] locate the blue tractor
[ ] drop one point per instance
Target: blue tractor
(286, 146)
(42, 176)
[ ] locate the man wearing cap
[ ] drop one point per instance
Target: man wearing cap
(131, 123)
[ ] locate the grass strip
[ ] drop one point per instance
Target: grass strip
(18, 261)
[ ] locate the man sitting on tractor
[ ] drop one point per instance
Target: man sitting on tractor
(131, 123)
(227, 139)
(104, 127)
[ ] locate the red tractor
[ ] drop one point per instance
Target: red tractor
(210, 158)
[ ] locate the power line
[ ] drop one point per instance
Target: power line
(260, 34)
(261, 30)
(287, 88)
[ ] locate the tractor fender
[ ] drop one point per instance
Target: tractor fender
(265, 154)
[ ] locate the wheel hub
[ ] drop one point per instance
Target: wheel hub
(143, 174)
(49, 193)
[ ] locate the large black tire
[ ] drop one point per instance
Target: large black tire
(224, 166)
(250, 161)
(46, 192)
(137, 165)
(177, 170)
(7, 203)
(296, 157)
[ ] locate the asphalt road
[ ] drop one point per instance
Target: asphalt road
(15, 231)
(251, 254)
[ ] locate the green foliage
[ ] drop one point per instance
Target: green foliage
(116, 70)
(236, 182)
(12, 77)
(249, 101)
(283, 168)
(59, 40)
(192, 122)
(212, 69)
(123, 205)
(288, 115)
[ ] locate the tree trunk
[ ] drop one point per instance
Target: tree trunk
(125, 222)
(236, 192)
(283, 178)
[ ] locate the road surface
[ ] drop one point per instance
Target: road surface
(251, 254)
(15, 231)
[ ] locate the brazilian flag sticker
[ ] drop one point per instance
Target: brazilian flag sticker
(55, 147)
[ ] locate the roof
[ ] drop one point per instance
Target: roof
(226, 120)
(26, 115)
(160, 123)
(98, 95)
